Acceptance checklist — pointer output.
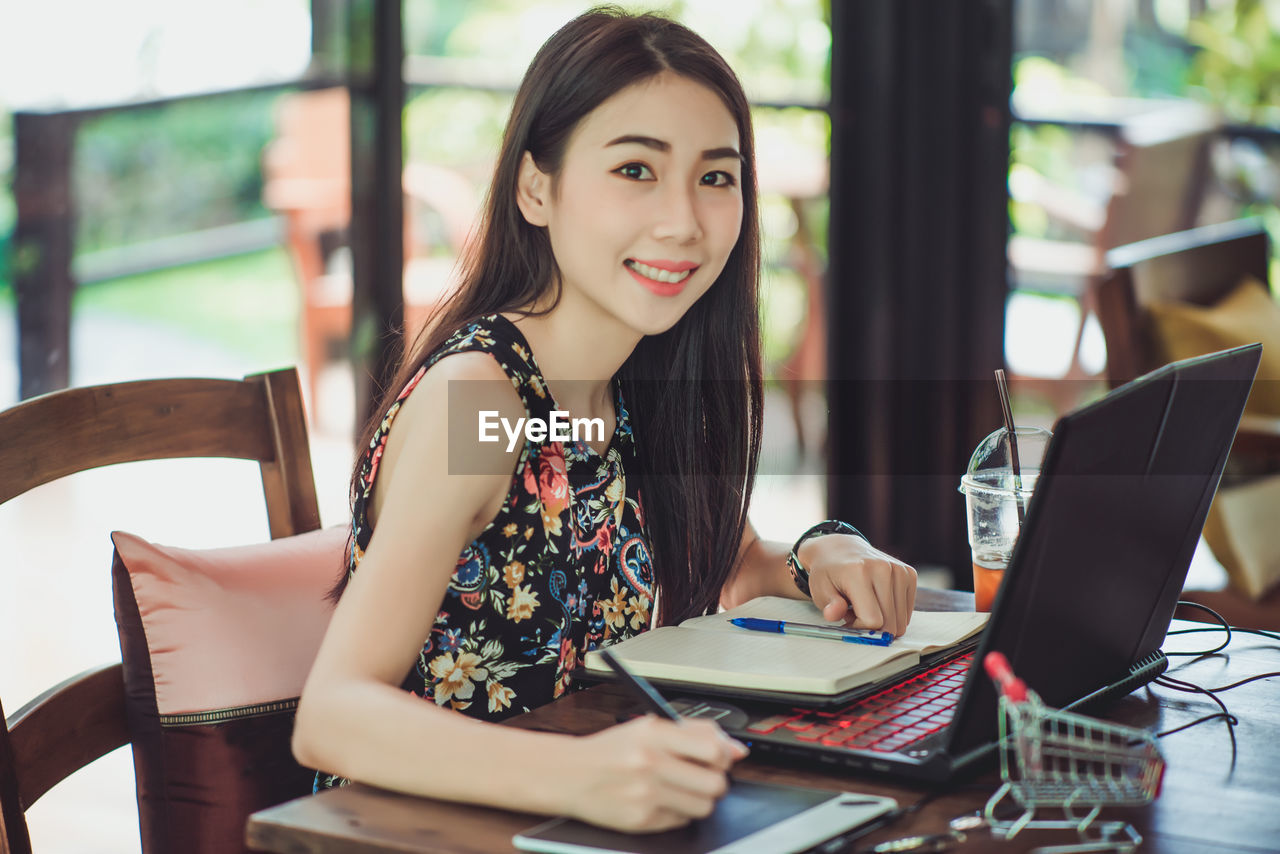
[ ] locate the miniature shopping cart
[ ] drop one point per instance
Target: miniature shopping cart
(1070, 766)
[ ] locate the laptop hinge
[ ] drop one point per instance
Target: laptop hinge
(1144, 671)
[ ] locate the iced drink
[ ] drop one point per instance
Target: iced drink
(996, 502)
(988, 572)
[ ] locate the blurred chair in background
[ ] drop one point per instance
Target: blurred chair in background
(197, 779)
(307, 181)
(1157, 186)
(1195, 292)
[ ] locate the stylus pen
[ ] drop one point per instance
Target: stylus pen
(809, 630)
(644, 692)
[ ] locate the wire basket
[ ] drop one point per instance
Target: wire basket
(1069, 763)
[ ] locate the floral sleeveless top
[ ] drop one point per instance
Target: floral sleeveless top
(564, 567)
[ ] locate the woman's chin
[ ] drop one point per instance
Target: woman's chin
(655, 324)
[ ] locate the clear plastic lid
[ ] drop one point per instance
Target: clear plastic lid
(991, 466)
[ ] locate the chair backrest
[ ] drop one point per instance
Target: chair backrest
(258, 418)
(306, 173)
(1198, 266)
(1162, 162)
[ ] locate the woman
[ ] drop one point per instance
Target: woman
(615, 281)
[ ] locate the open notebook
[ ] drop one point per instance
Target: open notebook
(711, 651)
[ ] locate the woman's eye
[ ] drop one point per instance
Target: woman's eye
(718, 179)
(635, 171)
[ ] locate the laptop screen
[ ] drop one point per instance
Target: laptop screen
(1122, 498)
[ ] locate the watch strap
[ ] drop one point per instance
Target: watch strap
(799, 574)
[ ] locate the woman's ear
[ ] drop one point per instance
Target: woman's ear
(533, 188)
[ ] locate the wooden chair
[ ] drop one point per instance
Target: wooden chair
(307, 181)
(1197, 266)
(259, 418)
(1159, 181)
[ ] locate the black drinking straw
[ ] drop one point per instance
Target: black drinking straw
(1002, 387)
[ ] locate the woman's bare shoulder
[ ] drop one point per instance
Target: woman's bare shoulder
(458, 389)
(438, 439)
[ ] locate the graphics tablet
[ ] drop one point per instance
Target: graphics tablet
(759, 818)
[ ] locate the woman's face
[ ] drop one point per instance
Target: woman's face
(648, 203)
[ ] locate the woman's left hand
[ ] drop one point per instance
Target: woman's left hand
(851, 580)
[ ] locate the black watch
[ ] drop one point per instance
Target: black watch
(799, 574)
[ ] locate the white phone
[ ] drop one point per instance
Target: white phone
(753, 818)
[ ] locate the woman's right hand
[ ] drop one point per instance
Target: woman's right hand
(650, 774)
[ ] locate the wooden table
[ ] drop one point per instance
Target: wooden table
(1209, 802)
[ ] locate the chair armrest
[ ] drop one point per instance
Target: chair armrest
(67, 727)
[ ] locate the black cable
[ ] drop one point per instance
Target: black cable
(1172, 683)
(1224, 627)
(842, 842)
(1231, 720)
(1266, 633)
(1246, 681)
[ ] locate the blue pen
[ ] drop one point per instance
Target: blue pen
(810, 630)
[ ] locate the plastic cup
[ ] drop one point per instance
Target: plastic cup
(996, 503)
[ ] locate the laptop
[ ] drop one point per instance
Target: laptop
(1090, 590)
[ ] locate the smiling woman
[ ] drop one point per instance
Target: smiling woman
(649, 187)
(615, 279)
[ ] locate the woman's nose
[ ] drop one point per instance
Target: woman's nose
(678, 216)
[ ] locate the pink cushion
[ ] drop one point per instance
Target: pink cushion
(216, 645)
(232, 626)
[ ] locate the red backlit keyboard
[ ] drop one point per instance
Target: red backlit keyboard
(886, 722)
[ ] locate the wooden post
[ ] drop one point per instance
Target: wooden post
(43, 241)
(917, 282)
(377, 205)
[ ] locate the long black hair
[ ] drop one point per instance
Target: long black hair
(694, 391)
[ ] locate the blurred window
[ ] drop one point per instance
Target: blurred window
(1083, 69)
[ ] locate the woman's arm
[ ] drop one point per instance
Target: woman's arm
(849, 579)
(355, 720)
(761, 570)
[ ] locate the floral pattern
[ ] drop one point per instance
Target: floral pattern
(563, 568)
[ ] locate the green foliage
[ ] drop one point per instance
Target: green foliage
(459, 128)
(1046, 149)
(1158, 65)
(158, 171)
(1238, 66)
(780, 48)
(245, 303)
(148, 173)
(1041, 152)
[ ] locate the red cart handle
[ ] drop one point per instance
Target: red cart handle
(998, 669)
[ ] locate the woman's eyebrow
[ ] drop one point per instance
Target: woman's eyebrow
(724, 153)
